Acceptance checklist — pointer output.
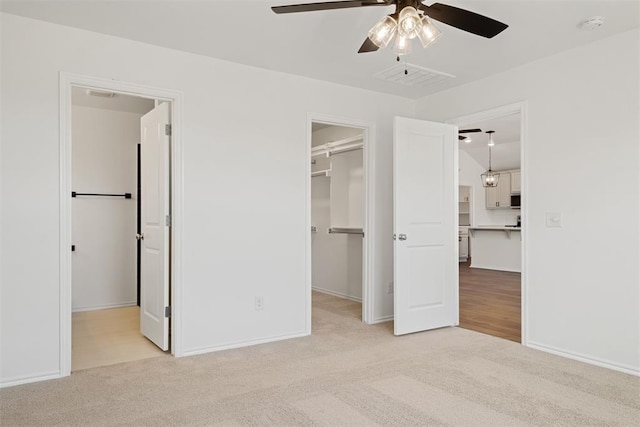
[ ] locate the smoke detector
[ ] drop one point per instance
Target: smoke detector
(593, 23)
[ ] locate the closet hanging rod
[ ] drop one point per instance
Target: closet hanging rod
(344, 230)
(125, 195)
(346, 150)
(336, 147)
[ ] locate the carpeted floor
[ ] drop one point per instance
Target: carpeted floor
(346, 373)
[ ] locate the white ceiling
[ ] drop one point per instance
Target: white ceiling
(323, 44)
(506, 152)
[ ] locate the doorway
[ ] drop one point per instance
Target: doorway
(339, 205)
(491, 223)
(106, 204)
(81, 290)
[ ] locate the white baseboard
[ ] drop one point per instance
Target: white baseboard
(104, 307)
(383, 319)
(204, 350)
(584, 358)
(336, 294)
(493, 267)
(45, 376)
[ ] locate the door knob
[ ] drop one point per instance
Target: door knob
(402, 237)
(140, 236)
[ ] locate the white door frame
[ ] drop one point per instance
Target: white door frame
(518, 107)
(368, 131)
(67, 81)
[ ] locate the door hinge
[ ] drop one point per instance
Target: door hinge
(167, 311)
(167, 220)
(167, 130)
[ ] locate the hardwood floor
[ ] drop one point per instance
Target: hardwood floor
(107, 337)
(490, 302)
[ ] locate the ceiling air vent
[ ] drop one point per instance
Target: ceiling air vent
(415, 75)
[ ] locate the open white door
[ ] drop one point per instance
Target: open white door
(154, 263)
(425, 247)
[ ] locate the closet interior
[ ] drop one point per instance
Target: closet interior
(337, 213)
(105, 219)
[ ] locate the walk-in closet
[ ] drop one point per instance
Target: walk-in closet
(337, 214)
(105, 221)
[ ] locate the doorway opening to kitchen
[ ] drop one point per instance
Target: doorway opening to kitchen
(491, 222)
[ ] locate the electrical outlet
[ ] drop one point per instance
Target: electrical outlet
(390, 288)
(259, 303)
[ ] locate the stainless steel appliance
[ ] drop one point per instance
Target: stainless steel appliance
(515, 201)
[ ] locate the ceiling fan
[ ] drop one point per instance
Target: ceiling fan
(463, 138)
(411, 19)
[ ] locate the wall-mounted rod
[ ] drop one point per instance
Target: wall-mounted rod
(342, 230)
(335, 147)
(125, 195)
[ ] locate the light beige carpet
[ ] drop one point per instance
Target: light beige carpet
(347, 373)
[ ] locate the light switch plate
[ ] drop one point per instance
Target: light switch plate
(554, 219)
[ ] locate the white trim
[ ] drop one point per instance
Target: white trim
(104, 307)
(585, 359)
(204, 350)
(67, 80)
(456, 236)
(44, 376)
(382, 319)
(518, 107)
(368, 247)
(336, 294)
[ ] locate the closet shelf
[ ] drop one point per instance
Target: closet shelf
(325, 172)
(337, 147)
(346, 230)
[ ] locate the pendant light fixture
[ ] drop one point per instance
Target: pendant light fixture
(490, 178)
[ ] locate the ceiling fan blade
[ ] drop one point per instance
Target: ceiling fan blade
(368, 46)
(469, 130)
(462, 138)
(464, 20)
(308, 7)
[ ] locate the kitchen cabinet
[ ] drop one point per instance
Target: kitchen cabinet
(463, 245)
(499, 197)
(464, 205)
(515, 182)
(496, 248)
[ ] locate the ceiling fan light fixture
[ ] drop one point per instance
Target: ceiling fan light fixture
(409, 22)
(428, 33)
(403, 45)
(382, 33)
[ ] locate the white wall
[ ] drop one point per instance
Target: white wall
(104, 160)
(245, 167)
(337, 258)
(582, 124)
